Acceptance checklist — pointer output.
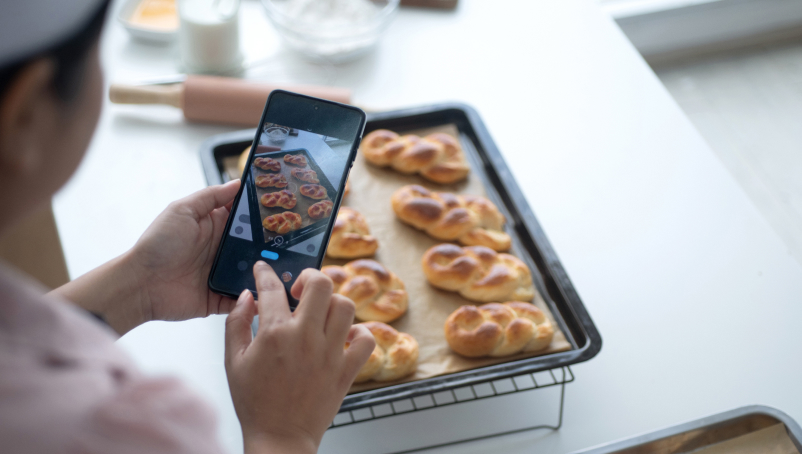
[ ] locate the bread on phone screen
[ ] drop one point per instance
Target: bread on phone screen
(271, 180)
(305, 175)
(471, 220)
(267, 164)
(313, 191)
(320, 210)
(498, 329)
(437, 157)
(379, 295)
(284, 199)
(283, 222)
(395, 355)
(295, 159)
(350, 236)
(478, 273)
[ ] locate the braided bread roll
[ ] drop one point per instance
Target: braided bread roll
(350, 236)
(295, 159)
(471, 220)
(282, 223)
(498, 329)
(437, 157)
(378, 294)
(313, 191)
(320, 210)
(271, 180)
(478, 273)
(395, 354)
(284, 199)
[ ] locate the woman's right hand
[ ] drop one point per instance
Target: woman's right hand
(288, 382)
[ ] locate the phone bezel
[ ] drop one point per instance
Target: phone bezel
(337, 201)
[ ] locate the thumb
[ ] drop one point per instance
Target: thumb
(208, 199)
(238, 327)
(361, 345)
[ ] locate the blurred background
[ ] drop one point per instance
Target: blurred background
(735, 69)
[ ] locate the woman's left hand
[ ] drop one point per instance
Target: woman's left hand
(174, 256)
(164, 276)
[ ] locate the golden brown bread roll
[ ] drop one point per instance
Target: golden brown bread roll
(437, 157)
(471, 220)
(313, 191)
(498, 329)
(350, 236)
(320, 210)
(305, 175)
(284, 199)
(395, 355)
(295, 159)
(478, 273)
(271, 180)
(283, 222)
(267, 164)
(378, 294)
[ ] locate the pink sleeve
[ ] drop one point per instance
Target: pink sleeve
(154, 416)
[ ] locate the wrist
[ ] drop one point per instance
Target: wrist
(115, 291)
(125, 303)
(274, 443)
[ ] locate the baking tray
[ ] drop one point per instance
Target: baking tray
(548, 274)
(705, 432)
(310, 227)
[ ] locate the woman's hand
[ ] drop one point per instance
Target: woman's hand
(163, 277)
(288, 381)
(174, 256)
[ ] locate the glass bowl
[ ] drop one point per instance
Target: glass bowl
(277, 134)
(334, 30)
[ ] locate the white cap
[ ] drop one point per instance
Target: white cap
(31, 26)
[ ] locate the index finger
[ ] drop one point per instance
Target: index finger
(203, 202)
(272, 303)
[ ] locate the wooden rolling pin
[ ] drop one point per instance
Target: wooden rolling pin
(222, 100)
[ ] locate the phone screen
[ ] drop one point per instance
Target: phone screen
(291, 190)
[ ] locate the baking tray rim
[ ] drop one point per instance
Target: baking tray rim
(793, 428)
(498, 167)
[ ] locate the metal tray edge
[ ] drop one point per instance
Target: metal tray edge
(794, 431)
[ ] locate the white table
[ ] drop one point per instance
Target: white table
(695, 296)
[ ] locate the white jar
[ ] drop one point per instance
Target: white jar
(208, 37)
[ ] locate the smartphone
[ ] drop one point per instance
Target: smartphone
(291, 190)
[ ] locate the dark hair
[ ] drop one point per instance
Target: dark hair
(69, 56)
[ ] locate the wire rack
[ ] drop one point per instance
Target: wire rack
(521, 383)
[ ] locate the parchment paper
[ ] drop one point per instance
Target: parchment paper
(771, 440)
(401, 248)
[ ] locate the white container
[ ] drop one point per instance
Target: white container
(208, 37)
(334, 30)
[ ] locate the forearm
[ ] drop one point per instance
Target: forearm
(112, 290)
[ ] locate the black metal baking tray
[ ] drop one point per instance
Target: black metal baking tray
(549, 275)
(705, 432)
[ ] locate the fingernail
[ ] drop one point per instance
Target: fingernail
(260, 263)
(351, 334)
(242, 297)
(232, 182)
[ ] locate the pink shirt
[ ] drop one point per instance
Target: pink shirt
(66, 388)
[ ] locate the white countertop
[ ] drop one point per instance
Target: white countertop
(696, 298)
